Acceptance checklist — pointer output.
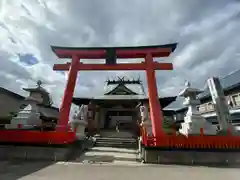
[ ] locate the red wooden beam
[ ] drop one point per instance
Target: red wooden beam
(138, 53)
(117, 67)
(82, 54)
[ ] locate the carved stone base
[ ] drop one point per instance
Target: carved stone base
(193, 124)
(79, 127)
(148, 126)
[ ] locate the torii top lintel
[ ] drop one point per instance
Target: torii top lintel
(118, 52)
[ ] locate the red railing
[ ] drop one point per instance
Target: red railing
(191, 142)
(36, 136)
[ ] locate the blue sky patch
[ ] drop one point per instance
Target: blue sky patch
(28, 59)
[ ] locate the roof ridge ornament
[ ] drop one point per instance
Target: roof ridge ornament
(123, 80)
(39, 83)
(187, 84)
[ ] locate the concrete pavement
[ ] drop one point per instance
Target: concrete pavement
(72, 171)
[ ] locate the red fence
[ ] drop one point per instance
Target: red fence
(191, 142)
(36, 137)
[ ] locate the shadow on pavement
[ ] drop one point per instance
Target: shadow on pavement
(12, 170)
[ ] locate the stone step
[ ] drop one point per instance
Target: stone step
(114, 163)
(116, 139)
(108, 155)
(116, 142)
(116, 145)
(112, 149)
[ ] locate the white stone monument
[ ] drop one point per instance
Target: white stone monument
(193, 121)
(79, 122)
(221, 106)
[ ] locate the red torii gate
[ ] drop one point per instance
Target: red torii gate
(62, 136)
(111, 54)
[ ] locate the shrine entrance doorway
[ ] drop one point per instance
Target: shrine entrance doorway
(121, 123)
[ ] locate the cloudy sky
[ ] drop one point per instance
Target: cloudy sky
(207, 32)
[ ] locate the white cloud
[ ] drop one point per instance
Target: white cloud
(207, 33)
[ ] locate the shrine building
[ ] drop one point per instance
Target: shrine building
(118, 106)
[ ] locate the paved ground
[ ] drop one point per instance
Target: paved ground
(72, 171)
(108, 164)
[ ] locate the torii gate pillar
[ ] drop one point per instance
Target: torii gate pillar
(154, 104)
(68, 94)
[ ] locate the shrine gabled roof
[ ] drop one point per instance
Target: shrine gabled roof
(129, 89)
(58, 48)
(176, 105)
(165, 101)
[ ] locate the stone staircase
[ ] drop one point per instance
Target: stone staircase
(108, 155)
(109, 149)
(111, 138)
(117, 142)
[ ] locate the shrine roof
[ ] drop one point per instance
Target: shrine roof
(165, 101)
(6, 91)
(176, 105)
(228, 83)
(49, 111)
(135, 88)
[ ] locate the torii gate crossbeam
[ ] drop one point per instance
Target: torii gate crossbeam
(111, 54)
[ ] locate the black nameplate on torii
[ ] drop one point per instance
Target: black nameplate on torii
(111, 57)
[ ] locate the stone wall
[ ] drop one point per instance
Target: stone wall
(13, 104)
(187, 157)
(34, 153)
(44, 153)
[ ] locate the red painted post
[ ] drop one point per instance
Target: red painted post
(155, 108)
(19, 126)
(68, 94)
(201, 131)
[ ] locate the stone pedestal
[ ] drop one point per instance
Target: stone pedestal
(28, 117)
(193, 121)
(145, 118)
(148, 125)
(79, 127)
(79, 122)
